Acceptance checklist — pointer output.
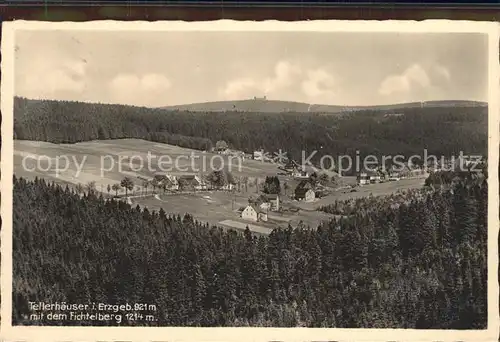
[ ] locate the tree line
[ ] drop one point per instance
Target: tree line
(422, 265)
(442, 131)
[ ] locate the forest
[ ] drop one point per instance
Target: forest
(443, 131)
(421, 265)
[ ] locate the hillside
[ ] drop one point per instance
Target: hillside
(443, 131)
(275, 106)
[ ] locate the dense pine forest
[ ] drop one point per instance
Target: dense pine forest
(420, 265)
(443, 131)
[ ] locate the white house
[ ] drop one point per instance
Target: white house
(228, 187)
(253, 213)
(258, 155)
(300, 175)
(369, 177)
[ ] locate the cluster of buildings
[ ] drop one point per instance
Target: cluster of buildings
(175, 183)
(408, 170)
(233, 153)
(293, 169)
(187, 182)
(257, 210)
(379, 175)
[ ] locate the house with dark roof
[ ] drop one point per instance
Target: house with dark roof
(307, 195)
(191, 183)
(305, 190)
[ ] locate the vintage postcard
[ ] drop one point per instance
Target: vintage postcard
(234, 181)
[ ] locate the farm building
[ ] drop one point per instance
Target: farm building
(370, 177)
(191, 182)
(305, 184)
(364, 177)
(253, 213)
(305, 190)
(166, 181)
(268, 202)
(274, 200)
(307, 195)
(170, 184)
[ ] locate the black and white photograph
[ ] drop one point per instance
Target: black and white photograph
(217, 175)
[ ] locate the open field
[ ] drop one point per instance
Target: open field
(82, 163)
(123, 157)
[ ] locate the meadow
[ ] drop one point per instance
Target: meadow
(109, 161)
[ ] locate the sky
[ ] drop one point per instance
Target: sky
(156, 69)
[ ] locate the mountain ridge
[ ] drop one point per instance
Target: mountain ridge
(278, 106)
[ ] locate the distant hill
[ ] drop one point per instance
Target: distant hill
(275, 106)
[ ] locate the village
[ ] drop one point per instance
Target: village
(291, 196)
(265, 193)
